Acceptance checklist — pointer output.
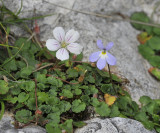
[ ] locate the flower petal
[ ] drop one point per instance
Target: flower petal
(109, 46)
(75, 48)
(52, 44)
(111, 60)
(62, 54)
(94, 56)
(59, 34)
(101, 63)
(71, 36)
(100, 44)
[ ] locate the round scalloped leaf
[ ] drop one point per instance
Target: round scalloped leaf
(24, 116)
(31, 104)
(154, 43)
(45, 108)
(78, 106)
(54, 118)
(145, 100)
(3, 87)
(22, 97)
(102, 109)
(141, 16)
(27, 85)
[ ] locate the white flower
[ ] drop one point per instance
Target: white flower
(64, 43)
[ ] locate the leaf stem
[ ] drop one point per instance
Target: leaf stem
(110, 75)
(2, 109)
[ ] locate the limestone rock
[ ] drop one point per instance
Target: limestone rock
(6, 124)
(113, 125)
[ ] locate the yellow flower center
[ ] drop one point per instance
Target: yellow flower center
(103, 52)
(63, 44)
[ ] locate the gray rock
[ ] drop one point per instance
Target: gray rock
(6, 124)
(113, 125)
(33, 129)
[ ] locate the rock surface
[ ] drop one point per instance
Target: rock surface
(6, 126)
(113, 125)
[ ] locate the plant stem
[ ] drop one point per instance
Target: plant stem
(2, 109)
(36, 93)
(110, 75)
(36, 100)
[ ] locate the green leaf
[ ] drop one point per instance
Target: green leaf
(41, 86)
(141, 16)
(10, 65)
(54, 118)
(94, 102)
(156, 30)
(77, 91)
(152, 108)
(42, 97)
(20, 41)
(22, 97)
(55, 82)
(148, 124)
(141, 116)
(52, 100)
(51, 129)
(102, 109)
(106, 88)
(66, 93)
(157, 129)
(156, 73)
(103, 73)
(72, 73)
(85, 99)
(27, 85)
(67, 126)
(145, 100)
(78, 106)
(145, 51)
(3, 87)
(91, 90)
(11, 99)
(15, 90)
(155, 61)
(90, 79)
(31, 103)
(45, 109)
(63, 106)
(114, 111)
(23, 116)
(41, 78)
(79, 57)
(156, 118)
(79, 124)
(123, 102)
(154, 43)
(25, 72)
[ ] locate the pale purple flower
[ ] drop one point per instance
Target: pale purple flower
(102, 57)
(64, 43)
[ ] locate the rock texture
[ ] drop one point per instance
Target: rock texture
(113, 125)
(6, 126)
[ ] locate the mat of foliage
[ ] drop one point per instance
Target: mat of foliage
(64, 92)
(150, 42)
